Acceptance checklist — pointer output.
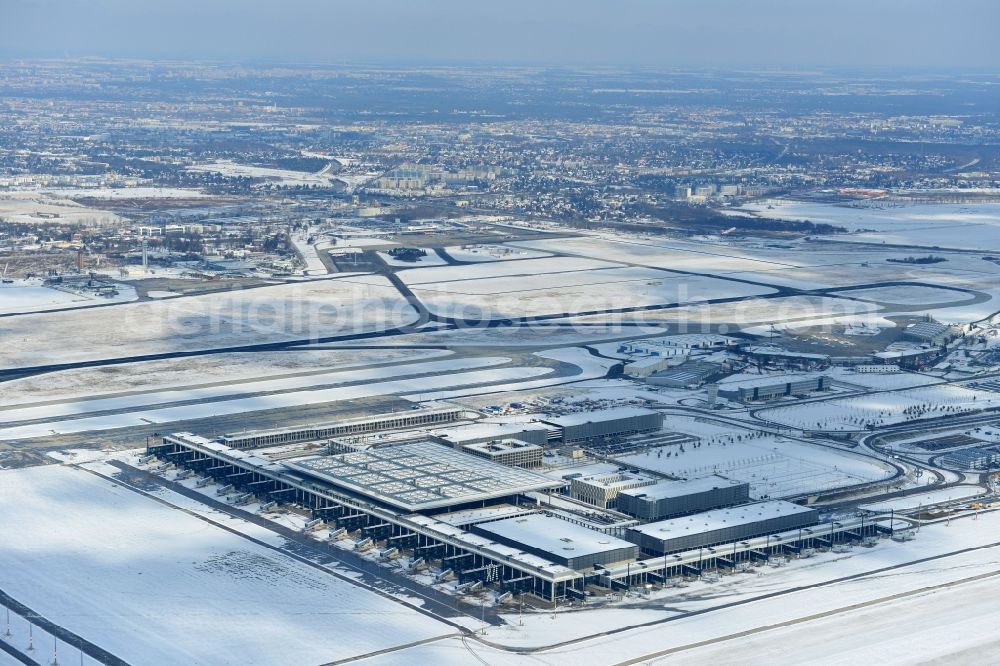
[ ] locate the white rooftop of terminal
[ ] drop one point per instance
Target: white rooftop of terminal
(501, 446)
(751, 381)
(554, 535)
(421, 476)
(674, 489)
(718, 519)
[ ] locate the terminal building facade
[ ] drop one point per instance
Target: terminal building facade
(487, 523)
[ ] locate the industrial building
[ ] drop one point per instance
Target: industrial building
(771, 387)
(979, 458)
(676, 344)
(644, 367)
(669, 499)
(692, 373)
(358, 426)
(473, 433)
(908, 359)
(511, 452)
(929, 332)
(787, 359)
(559, 541)
(602, 489)
(583, 427)
(720, 526)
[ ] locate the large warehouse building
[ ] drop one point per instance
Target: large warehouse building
(474, 433)
(559, 541)
(720, 526)
(771, 387)
(602, 490)
(583, 427)
(668, 499)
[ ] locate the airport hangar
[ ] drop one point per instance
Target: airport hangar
(436, 503)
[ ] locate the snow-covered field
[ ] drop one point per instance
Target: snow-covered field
(872, 380)
(152, 399)
(519, 292)
(965, 226)
(125, 193)
(217, 369)
(279, 177)
(326, 307)
(478, 253)
(26, 296)
(590, 367)
(429, 259)
(155, 585)
(425, 385)
(314, 265)
(927, 499)
(907, 295)
(502, 269)
(37, 207)
(882, 408)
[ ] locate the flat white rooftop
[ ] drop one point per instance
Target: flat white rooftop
(674, 489)
(474, 431)
(720, 519)
(502, 446)
(751, 381)
(421, 476)
(554, 535)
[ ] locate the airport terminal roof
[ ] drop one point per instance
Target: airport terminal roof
(471, 431)
(673, 489)
(554, 535)
(718, 519)
(421, 476)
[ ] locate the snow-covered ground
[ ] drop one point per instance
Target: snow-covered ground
(312, 309)
(25, 296)
(571, 291)
(773, 466)
(882, 408)
(279, 177)
(929, 498)
(500, 252)
(499, 269)
(590, 367)
(215, 369)
(148, 400)
(310, 254)
(965, 226)
(425, 385)
(430, 259)
(37, 207)
(907, 295)
(155, 585)
(125, 193)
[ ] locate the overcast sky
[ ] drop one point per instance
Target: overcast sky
(665, 33)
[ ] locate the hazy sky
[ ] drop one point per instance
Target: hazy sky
(728, 33)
